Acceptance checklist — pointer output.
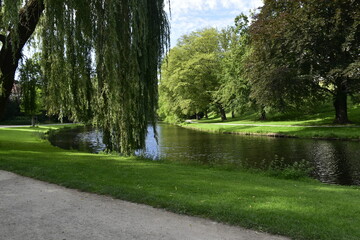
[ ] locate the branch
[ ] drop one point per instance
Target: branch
(326, 90)
(29, 17)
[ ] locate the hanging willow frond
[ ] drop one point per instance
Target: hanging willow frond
(100, 61)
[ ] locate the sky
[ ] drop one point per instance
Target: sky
(191, 15)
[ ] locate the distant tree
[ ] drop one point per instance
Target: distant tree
(234, 88)
(190, 75)
(302, 50)
(30, 79)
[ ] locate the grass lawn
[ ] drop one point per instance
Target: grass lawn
(298, 131)
(303, 209)
(321, 120)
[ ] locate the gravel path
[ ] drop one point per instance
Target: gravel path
(31, 209)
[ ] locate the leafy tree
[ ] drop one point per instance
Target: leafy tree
(234, 87)
(305, 49)
(30, 81)
(190, 75)
(100, 60)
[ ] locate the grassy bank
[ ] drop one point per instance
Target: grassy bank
(304, 125)
(281, 131)
(299, 209)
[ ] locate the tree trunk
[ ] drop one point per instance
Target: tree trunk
(7, 84)
(33, 121)
(222, 112)
(262, 114)
(107, 140)
(340, 105)
(29, 17)
(232, 114)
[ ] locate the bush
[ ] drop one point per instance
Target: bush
(296, 170)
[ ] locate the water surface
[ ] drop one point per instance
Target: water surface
(333, 161)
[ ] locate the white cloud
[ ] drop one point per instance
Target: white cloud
(185, 6)
(190, 15)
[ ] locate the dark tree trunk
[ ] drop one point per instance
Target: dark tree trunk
(107, 140)
(8, 81)
(197, 116)
(262, 114)
(222, 112)
(10, 55)
(340, 105)
(232, 114)
(33, 121)
(206, 114)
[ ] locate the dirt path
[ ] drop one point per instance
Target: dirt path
(31, 209)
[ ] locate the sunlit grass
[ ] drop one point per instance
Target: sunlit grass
(287, 125)
(303, 209)
(322, 115)
(304, 132)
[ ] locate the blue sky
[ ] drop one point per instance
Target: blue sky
(191, 15)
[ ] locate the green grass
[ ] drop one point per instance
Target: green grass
(322, 115)
(303, 209)
(322, 119)
(301, 131)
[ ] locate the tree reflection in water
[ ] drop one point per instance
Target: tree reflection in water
(334, 161)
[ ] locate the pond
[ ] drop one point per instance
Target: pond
(335, 162)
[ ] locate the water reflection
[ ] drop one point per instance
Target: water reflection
(334, 161)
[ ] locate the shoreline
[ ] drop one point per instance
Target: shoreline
(222, 129)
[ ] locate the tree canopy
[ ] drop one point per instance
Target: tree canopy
(100, 60)
(233, 92)
(206, 72)
(190, 74)
(305, 49)
(291, 55)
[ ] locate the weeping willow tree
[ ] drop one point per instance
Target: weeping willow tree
(100, 60)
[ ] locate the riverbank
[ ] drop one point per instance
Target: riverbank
(335, 132)
(303, 209)
(318, 125)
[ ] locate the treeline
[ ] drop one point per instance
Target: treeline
(290, 55)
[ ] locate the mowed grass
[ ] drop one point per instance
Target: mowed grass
(321, 115)
(303, 209)
(293, 131)
(321, 124)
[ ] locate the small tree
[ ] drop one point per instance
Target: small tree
(30, 81)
